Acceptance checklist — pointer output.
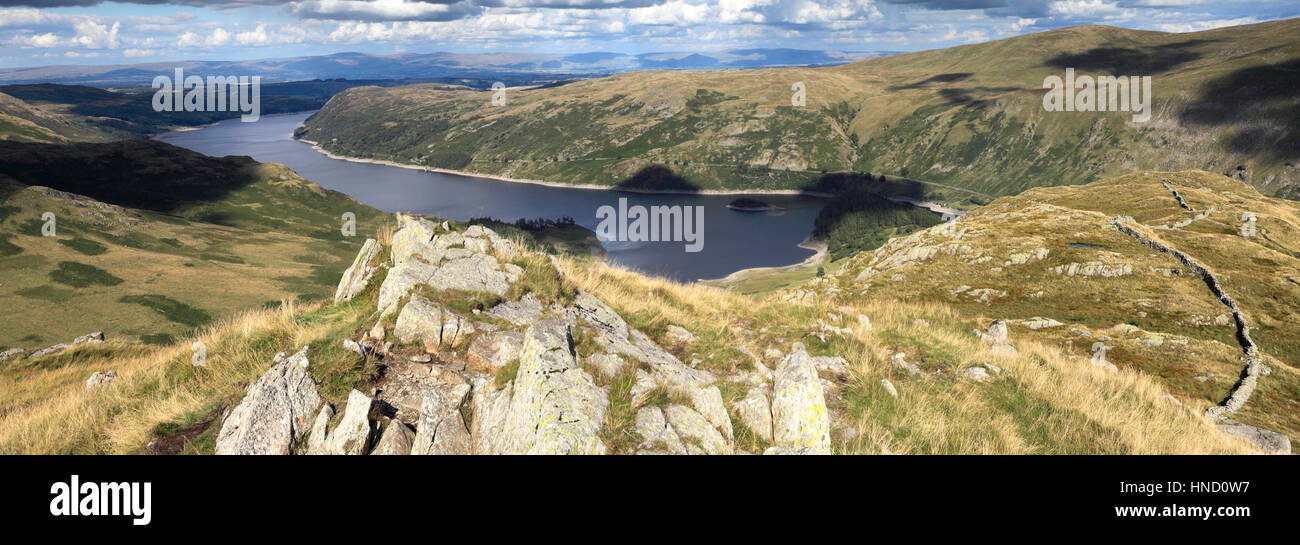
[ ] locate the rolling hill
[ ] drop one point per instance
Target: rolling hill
(1144, 264)
(969, 116)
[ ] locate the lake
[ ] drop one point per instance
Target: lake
(733, 240)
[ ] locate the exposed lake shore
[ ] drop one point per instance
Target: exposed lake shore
(316, 146)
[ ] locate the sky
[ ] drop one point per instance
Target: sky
(46, 32)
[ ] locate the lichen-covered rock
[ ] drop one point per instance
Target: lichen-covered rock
(696, 432)
(273, 415)
(490, 405)
(449, 269)
(708, 402)
(555, 407)
(655, 433)
(413, 236)
(756, 413)
(442, 430)
(617, 337)
(396, 440)
(11, 353)
(358, 275)
(799, 416)
(352, 434)
(436, 327)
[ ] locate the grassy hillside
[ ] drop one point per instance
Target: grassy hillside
(23, 122)
(1014, 258)
(967, 116)
(174, 241)
(119, 114)
(1040, 402)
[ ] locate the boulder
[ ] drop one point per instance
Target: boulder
(555, 407)
(425, 321)
(98, 379)
(352, 434)
(889, 387)
(523, 312)
(355, 347)
(756, 413)
(490, 351)
(320, 430)
(834, 365)
(978, 374)
(442, 428)
(899, 361)
(680, 336)
(358, 275)
(446, 270)
(11, 353)
(413, 236)
(696, 432)
(799, 416)
(396, 440)
(708, 402)
(1268, 442)
(655, 432)
(273, 415)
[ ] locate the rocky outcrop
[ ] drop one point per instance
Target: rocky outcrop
(490, 351)
(12, 353)
(442, 428)
(396, 440)
(554, 407)
(799, 417)
(274, 413)
(617, 337)
(352, 434)
(358, 275)
(425, 321)
(755, 413)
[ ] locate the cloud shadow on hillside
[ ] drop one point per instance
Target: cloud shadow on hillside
(657, 178)
(1130, 61)
(142, 174)
(1262, 93)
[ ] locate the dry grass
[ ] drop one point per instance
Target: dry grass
(1046, 400)
(158, 386)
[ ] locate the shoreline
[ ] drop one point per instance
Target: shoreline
(820, 249)
(469, 174)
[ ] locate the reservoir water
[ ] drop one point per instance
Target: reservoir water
(733, 240)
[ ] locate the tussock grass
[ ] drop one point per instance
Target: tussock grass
(45, 408)
(1046, 400)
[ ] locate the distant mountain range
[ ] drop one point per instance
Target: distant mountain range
(433, 65)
